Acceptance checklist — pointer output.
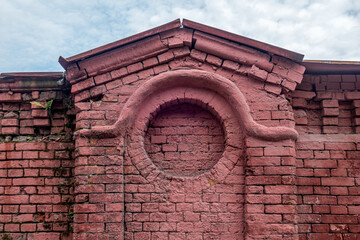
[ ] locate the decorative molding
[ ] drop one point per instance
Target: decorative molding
(192, 79)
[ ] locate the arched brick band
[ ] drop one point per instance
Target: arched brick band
(192, 79)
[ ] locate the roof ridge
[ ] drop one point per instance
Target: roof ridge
(184, 23)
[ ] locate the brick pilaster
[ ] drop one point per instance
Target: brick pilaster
(270, 204)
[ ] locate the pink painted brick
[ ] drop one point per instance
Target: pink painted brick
(198, 55)
(78, 87)
(273, 89)
(289, 84)
(181, 52)
(103, 78)
(214, 60)
(166, 57)
(150, 62)
(274, 78)
(130, 79)
(134, 67)
(161, 68)
(118, 73)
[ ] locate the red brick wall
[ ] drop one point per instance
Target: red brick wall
(35, 166)
(122, 192)
(184, 163)
(327, 153)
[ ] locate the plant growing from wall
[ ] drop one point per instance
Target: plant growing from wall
(47, 107)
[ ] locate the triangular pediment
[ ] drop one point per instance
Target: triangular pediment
(187, 24)
(184, 44)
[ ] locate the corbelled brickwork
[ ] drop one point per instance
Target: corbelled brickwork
(327, 156)
(181, 133)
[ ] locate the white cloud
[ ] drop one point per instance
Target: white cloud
(35, 33)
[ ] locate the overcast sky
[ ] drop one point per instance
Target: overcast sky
(34, 33)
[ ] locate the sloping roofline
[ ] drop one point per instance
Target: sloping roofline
(64, 62)
(187, 24)
(244, 40)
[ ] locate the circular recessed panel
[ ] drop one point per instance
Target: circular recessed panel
(184, 140)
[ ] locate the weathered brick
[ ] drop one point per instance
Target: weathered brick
(28, 181)
(10, 122)
(78, 87)
(289, 84)
(10, 130)
(130, 79)
(7, 146)
(310, 145)
(280, 209)
(118, 73)
(337, 181)
(166, 57)
(103, 78)
(319, 199)
(273, 89)
(352, 95)
(30, 146)
(161, 68)
(218, 61)
(279, 151)
(134, 67)
(181, 52)
(340, 146)
(274, 79)
(198, 55)
(10, 97)
(41, 122)
(258, 73)
(150, 62)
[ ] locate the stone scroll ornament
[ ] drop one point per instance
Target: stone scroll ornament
(195, 79)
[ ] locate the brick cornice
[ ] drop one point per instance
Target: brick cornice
(32, 81)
